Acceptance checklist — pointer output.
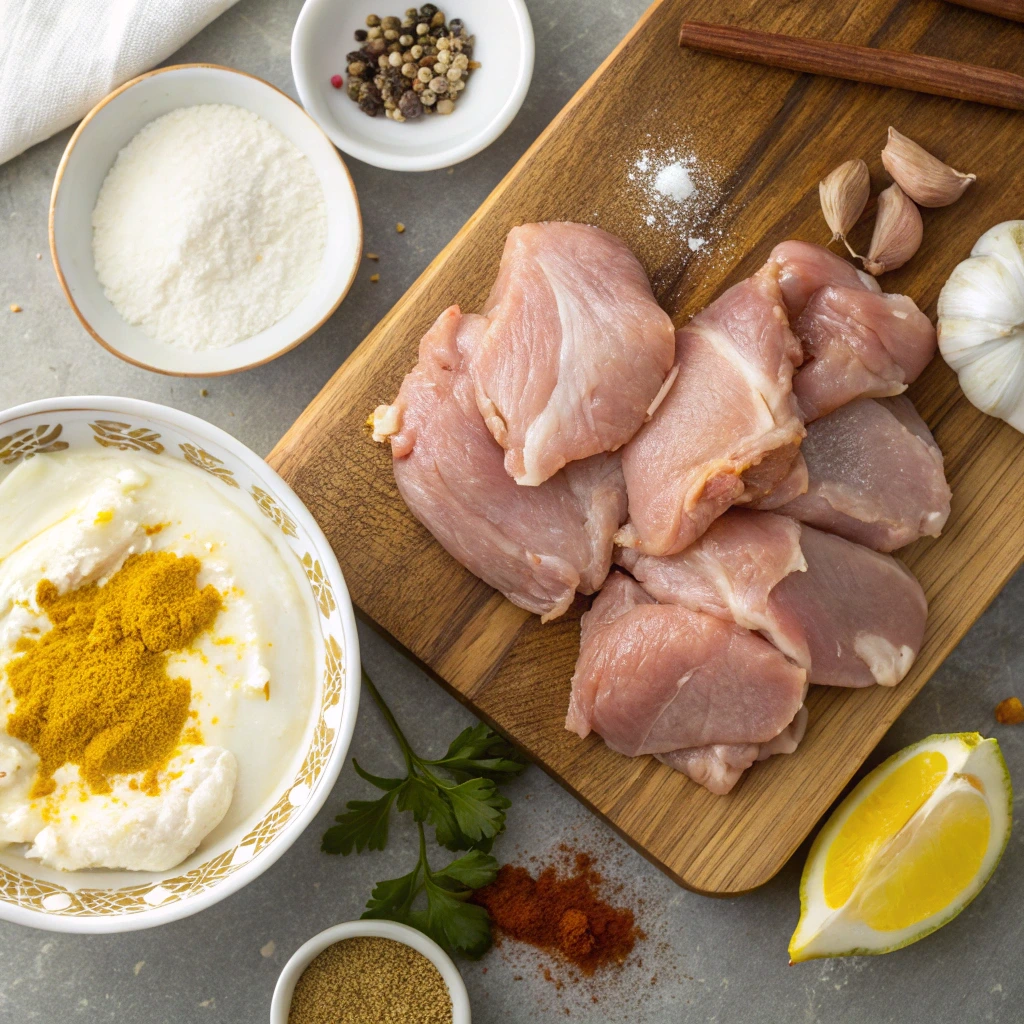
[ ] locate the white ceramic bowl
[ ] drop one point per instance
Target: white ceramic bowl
(108, 128)
(113, 901)
(492, 97)
(304, 955)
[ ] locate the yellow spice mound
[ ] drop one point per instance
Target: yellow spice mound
(94, 690)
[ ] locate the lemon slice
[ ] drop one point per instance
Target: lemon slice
(907, 850)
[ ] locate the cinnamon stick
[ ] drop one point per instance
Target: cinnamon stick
(901, 70)
(1012, 9)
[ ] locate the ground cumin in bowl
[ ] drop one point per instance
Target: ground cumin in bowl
(370, 979)
(370, 972)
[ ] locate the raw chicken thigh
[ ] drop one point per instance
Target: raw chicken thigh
(857, 341)
(537, 545)
(576, 351)
(702, 693)
(718, 767)
(804, 268)
(875, 475)
(727, 431)
(849, 615)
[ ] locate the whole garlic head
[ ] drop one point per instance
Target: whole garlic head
(981, 323)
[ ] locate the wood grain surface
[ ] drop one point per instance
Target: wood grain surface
(768, 136)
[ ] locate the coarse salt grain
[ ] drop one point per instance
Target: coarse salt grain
(209, 228)
(674, 182)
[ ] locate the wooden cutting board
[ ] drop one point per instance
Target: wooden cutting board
(769, 136)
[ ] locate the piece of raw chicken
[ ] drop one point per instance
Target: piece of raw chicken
(576, 351)
(848, 615)
(875, 475)
(706, 696)
(727, 431)
(718, 767)
(857, 341)
(537, 545)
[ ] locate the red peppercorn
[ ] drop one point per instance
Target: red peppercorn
(336, 81)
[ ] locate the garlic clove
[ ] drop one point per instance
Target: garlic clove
(844, 193)
(925, 178)
(897, 234)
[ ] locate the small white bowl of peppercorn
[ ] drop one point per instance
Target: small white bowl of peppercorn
(413, 89)
(370, 971)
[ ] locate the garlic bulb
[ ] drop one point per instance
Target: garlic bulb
(981, 323)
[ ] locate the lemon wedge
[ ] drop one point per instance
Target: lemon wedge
(907, 850)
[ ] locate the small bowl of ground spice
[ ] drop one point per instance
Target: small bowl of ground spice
(413, 88)
(370, 972)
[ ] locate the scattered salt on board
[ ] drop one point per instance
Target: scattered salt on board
(677, 191)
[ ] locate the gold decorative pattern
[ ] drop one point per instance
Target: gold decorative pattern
(202, 459)
(321, 585)
(334, 672)
(126, 438)
(270, 508)
(25, 443)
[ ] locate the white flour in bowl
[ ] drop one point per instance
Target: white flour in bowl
(209, 228)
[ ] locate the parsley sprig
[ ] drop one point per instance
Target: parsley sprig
(455, 795)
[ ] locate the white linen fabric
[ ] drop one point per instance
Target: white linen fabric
(58, 58)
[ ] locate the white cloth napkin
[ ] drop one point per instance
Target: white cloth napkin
(58, 58)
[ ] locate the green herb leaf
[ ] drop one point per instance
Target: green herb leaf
(479, 808)
(423, 797)
(430, 800)
(363, 826)
(392, 898)
(376, 780)
(479, 750)
(466, 811)
(455, 923)
(420, 796)
(474, 870)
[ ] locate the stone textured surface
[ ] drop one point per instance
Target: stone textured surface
(710, 960)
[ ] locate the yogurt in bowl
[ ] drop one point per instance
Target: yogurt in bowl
(132, 532)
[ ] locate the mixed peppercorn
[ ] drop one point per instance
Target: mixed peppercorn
(409, 66)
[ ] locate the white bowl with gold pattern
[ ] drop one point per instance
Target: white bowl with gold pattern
(101, 901)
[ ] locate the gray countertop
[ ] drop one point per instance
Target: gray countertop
(711, 960)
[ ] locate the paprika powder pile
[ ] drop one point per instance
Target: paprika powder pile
(562, 914)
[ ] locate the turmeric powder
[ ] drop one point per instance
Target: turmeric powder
(94, 690)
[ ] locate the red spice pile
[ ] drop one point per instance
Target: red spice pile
(561, 914)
